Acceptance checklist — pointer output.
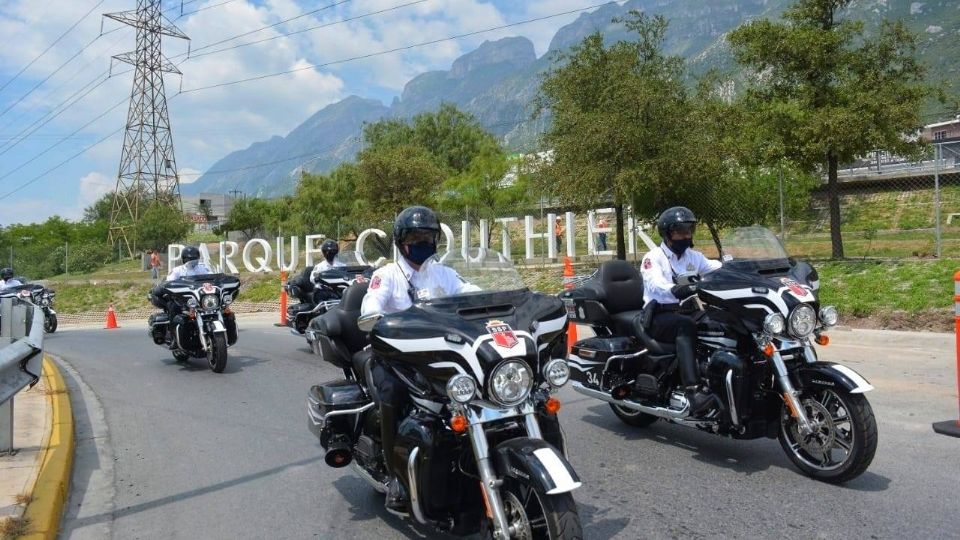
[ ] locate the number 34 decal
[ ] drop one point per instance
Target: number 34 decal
(593, 379)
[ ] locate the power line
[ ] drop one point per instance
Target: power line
(398, 49)
(302, 15)
(310, 29)
(204, 8)
(45, 51)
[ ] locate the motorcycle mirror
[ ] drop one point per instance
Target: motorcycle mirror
(367, 322)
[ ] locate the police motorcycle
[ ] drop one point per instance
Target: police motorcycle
(203, 326)
(757, 319)
(37, 295)
(482, 444)
(316, 298)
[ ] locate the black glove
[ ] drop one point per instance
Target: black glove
(684, 291)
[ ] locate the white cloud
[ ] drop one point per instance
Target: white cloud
(93, 186)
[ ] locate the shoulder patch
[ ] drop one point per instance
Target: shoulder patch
(375, 282)
(647, 264)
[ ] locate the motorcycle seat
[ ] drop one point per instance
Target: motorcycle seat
(620, 289)
(658, 348)
(623, 321)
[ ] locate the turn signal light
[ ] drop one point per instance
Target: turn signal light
(552, 406)
(192, 315)
(823, 340)
(768, 350)
(793, 412)
(458, 423)
(227, 311)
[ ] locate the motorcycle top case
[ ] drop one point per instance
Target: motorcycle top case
(331, 396)
(583, 305)
(588, 357)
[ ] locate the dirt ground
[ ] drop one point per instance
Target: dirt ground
(926, 321)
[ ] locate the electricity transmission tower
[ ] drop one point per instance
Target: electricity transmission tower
(148, 169)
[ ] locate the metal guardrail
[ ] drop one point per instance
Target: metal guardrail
(21, 354)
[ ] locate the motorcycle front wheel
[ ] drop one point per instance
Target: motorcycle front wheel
(217, 352)
(50, 324)
(536, 515)
(844, 437)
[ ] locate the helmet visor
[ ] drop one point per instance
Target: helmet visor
(416, 236)
(683, 228)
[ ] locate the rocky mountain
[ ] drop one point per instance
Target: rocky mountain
(498, 81)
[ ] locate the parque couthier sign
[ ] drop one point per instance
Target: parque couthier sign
(288, 252)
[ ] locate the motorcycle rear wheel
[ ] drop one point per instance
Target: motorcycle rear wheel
(537, 516)
(632, 417)
(844, 440)
(50, 324)
(217, 352)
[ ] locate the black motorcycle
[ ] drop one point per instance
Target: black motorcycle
(315, 298)
(757, 319)
(37, 295)
(482, 444)
(203, 325)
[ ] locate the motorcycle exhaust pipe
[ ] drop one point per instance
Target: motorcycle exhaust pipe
(339, 455)
(661, 412)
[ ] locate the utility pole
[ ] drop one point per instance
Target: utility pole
(148, 168)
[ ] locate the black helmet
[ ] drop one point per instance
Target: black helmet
(6, 273)
(678, 217)
(329, 248)
(416, 219)
(190, 253)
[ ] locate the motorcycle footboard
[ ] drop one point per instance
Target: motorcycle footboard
(536, 463)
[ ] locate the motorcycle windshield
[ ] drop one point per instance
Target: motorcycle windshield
(481, 270)
(348, 258)
(752, 244)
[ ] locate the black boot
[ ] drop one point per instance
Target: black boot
(699, 400)
(397, 500)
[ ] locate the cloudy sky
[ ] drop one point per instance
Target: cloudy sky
(65, 102)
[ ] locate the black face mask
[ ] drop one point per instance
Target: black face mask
(679, 246)
(329, 257)
(421, 251)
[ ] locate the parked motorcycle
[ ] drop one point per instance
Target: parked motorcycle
(203, 325)
(317, 297)
(38, 295)
(482, 443)
(757, 320)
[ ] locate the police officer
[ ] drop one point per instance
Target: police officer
(329, 249)
(395, 287)
(6, 279)
(660, 266)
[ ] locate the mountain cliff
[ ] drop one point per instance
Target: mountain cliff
(498, 81)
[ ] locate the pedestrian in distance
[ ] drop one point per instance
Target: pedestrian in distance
(155, 265)
(602, 235)
(558, 233)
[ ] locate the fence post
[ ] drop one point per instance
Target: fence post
(13, 327)
(952, 427)
(936, 192)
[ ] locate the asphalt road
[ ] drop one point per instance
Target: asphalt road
(167, 450)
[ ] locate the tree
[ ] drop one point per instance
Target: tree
(248, 216)
(99, 210)
(825, 93)
(391, 179)
(161, 225)
(617, 113)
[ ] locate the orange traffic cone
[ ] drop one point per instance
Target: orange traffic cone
(568, 284)
(111, 318)
(283, 299)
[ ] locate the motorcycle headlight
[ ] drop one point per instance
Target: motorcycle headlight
(210, 301)
(510, 383)
(44, 302)
(227, 299)
(192, 302)
(802, 321)
(773, 324)
(556, 372)
(829, 316)
(461, 388)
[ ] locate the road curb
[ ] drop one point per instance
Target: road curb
(56, 465)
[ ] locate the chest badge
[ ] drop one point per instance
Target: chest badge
(502, 334)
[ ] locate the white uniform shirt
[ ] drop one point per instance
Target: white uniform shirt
(388, 291)
(12, 282)
(323, 266)
(661, 265)
(183, 271)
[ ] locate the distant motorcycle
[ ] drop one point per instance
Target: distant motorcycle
(757, 319)
(204, 325)
(37, 295)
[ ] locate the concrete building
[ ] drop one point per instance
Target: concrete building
(207, 210)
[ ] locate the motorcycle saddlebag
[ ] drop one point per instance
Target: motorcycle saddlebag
(588, 358)
(158, 327)
(336, 406)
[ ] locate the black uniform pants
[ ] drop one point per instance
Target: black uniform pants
(392, 398)
(669, 326)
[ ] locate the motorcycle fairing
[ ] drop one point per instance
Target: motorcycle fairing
(830, 375)
(536, 463)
